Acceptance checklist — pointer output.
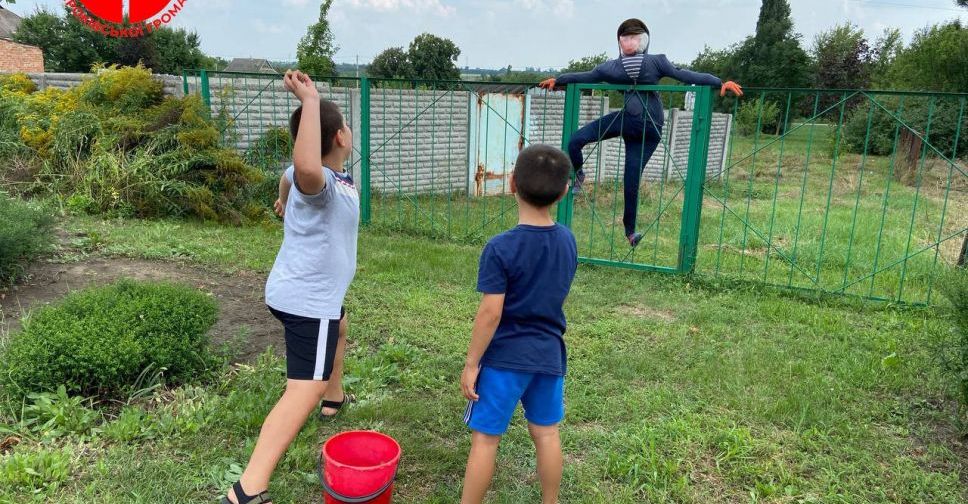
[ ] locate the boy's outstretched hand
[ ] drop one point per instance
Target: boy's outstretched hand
(468, 380)
(280, 208)
(732, 87)
(300, 85)
(548, 84)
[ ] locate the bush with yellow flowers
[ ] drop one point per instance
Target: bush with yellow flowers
(117, 145)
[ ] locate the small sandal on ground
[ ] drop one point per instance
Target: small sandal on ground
(243, 498)
(336, 405)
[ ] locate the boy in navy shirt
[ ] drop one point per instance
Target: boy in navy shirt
(517, 349)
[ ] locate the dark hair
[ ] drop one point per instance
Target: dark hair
(632, 26)
(330, 122)
(541, 174)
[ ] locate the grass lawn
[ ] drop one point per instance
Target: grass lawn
(678, 391)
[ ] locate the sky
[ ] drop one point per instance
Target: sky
(521, 33)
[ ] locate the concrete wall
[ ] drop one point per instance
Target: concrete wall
(172, 83)
(419, 141)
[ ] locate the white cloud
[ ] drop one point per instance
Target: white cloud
(296, 3)
(436, 7)
(560, 8)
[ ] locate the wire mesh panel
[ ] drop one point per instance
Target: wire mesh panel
(253, 112)
(441, 153)
(848, 192)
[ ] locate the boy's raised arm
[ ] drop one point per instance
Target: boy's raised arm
(486, 322)
(307, 153)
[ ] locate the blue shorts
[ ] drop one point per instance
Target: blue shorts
(542, 395)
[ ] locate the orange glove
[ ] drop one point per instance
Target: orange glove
(548, 84)
(732, 87)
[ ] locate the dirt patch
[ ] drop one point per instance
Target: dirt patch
(243, 320)
(938, 426)
(647, 312)
(707, 474)
(8, 443)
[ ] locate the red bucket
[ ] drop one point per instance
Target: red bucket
(358, 467)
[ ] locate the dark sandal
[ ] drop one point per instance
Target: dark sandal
(336, 405)
(243, 498)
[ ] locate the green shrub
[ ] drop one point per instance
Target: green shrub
(131, 424)
(271, 153)
(52, 415)
(25, 234)
(751, 113)
(272, 150)
(35, 471)
(116, 145)
(74, 136)
(916, 111)
(10, 141)
(100, 340)
(17, 83)
(125, 90)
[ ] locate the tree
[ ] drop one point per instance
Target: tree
(936, 60)
(843, 58)
(772, 57)
(392, 63)
(885, 52)
(585, 64)
(315, 51)
(176, 50)
(434, 58)
(130, 52)
(963, 3)
(714, 62)
(69, 46)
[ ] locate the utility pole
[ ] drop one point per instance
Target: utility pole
(357, 66)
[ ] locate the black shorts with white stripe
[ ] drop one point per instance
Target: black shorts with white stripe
(310, 345)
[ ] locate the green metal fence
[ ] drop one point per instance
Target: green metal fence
(840, 191)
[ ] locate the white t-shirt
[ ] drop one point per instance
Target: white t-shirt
(317, 259)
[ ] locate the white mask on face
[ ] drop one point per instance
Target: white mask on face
(630, 45)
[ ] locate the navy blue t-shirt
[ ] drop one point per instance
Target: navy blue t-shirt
(533, 266)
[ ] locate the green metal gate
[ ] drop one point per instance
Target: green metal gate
(670, 219)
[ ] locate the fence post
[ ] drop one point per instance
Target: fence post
(365, 195)
(964, 253)
(206, 92)
(185, 82)
(572, 106)
(695, 178)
